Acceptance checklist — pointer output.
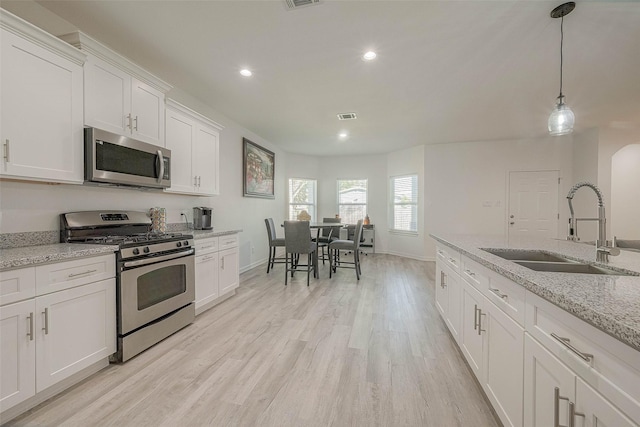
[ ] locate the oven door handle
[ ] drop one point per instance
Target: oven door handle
(153, 260)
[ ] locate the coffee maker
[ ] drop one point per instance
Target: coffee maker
(202, 218)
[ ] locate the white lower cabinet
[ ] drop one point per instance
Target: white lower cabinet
(521, 349)
(47, 338)
(217, 270)
(555, 395)
(493, 346)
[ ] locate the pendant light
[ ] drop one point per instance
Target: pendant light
(561, 119)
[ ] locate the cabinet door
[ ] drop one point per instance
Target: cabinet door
(472, 340)
(147, 111)
(75, 328)
(503, 358)
(205, 160)
(442, 297)
(180, 132)
(543, 372)
(206, 279)
(596, 410)
(228, 276)
(41, 113)
(454, 305)
(17, 353)
(107, 97)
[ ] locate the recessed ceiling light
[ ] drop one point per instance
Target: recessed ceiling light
(369, 56)
(245, 72)
(343, 135)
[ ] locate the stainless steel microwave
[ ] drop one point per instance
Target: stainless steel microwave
(116, 159)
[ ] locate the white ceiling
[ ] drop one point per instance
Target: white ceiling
(446, 71)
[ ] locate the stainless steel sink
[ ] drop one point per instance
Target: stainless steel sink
(545, 261)
(570, 267)
(526, 255)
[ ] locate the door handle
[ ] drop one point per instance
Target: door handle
(556, 407)
(587, 357)
(442, 276)
(46, 321)
(475, 317)
(6, 150)
(480, 314)
(573, 414)
(129, 124)
(161, 159)
(30, 333)
(136, 126)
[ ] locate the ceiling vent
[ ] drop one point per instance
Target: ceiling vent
(297, 4)
(347, 116)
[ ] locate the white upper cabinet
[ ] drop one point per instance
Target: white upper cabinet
(194, 141)
(120, 96)
(41, 113)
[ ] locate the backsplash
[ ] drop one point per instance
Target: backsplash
(36, 238)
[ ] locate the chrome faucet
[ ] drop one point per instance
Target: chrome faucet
(602, 250)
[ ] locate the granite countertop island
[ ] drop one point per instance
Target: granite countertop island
(609, 302)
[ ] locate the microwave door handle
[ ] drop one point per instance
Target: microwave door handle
(161, 159)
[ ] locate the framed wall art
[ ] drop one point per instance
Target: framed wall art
(259, 170)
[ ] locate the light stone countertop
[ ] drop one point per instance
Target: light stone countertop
(11, 258)
(28, 256)
(203, 234)
(610, 303)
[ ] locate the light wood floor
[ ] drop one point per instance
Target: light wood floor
(337, 353)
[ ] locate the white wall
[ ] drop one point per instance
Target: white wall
(625, 192)
(467, 183)
(405, 162)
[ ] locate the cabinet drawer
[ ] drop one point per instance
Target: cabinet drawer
(230, 241)
(508, 296)
(68, 274)
(450, 257)
(17, 285)
(611, 367)
(205, 246)
(475, 274)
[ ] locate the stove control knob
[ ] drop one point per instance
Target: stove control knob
(136, 251)
(146, 250)
(179, 244)
(186, 243)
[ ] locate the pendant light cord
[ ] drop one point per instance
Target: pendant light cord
(561, 59)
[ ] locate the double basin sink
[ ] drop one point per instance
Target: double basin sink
(544, 261)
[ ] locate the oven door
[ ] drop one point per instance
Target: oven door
(152, 288)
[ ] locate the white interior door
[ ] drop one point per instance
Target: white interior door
(533, 204)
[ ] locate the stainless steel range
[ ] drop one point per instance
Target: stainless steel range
(155, 274)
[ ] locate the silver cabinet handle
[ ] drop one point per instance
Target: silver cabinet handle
(566, 342)
(81, 274)
(129, 124)
(207, 258)
(500, 294)
(573, 414)
(6, 150)
(556, 407)
(161, 159)
(206, 247)
(46, 321)
(442, 276)
(199, 180)
(480, 314)
(135, 120)
(195, 180)
(452, 261)
(30, 333)
(470, 273)
(222, 263)
(475, 317)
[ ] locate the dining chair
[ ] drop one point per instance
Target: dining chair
(346, 245)
(297, 239)
(274, 243)
(326, 236)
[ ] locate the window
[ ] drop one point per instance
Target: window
(352, 200)
(302, 197)
(404, 200)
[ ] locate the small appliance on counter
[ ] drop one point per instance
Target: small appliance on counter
(202, 218)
